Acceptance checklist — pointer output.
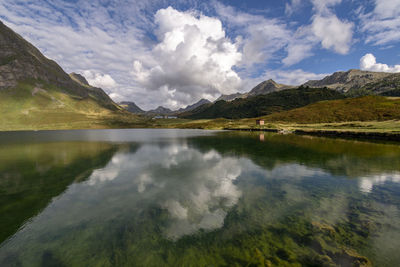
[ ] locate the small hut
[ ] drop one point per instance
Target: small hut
(260, 122)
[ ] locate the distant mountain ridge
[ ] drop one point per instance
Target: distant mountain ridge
(348, 81)
(259, 105)
(131, 107)
(160, 110)
(195, 105)
(267, 87)
(262, 88)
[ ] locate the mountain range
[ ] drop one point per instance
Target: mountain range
(259, 105)
(263, 88)
(260, 100)
(160, 110)
(36, 91)
(351, 83)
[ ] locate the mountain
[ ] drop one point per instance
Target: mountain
(160, 110)
(193, 106)
(259, 105)
(267, 87)
(388, 85)
(131, 107)
(231, 97)
(366, 108)
(263, 88)
(348, 81)
(20, 61)
(36, 93)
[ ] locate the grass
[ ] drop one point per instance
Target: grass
(370, 114)
(368, 108)
(391, 126)
(47, 108)
(33, 106)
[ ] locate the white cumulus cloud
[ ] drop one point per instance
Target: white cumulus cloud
(193, 59)
(368, 62)
(333, 33)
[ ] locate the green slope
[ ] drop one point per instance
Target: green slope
(35, 105)
(367, 108)
(263, 104)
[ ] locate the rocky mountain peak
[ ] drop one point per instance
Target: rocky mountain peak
(267, 87)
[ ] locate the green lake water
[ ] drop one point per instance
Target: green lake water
(197, 198)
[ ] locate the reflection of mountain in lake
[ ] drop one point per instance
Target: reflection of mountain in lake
(222, 199)
(32, 174)
(336, 156)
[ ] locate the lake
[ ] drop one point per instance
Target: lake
(196, 198)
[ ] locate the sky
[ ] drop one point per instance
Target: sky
(173, 53)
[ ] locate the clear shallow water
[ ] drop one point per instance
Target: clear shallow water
(196, 198)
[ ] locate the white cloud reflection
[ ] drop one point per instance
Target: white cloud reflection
(367, 183)
(196, 189)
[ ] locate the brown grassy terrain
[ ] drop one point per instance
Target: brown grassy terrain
(368, 108)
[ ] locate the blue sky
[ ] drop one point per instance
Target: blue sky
(173, 53)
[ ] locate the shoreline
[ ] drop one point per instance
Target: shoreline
(347, 134)
(382, 136)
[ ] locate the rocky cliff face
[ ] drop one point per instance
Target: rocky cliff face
(345, 81)
(21, 61)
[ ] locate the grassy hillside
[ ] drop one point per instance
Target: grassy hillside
(368, 108)
(262, 104)
(34, 105)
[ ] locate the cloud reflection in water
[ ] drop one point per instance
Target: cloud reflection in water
(196, 189)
